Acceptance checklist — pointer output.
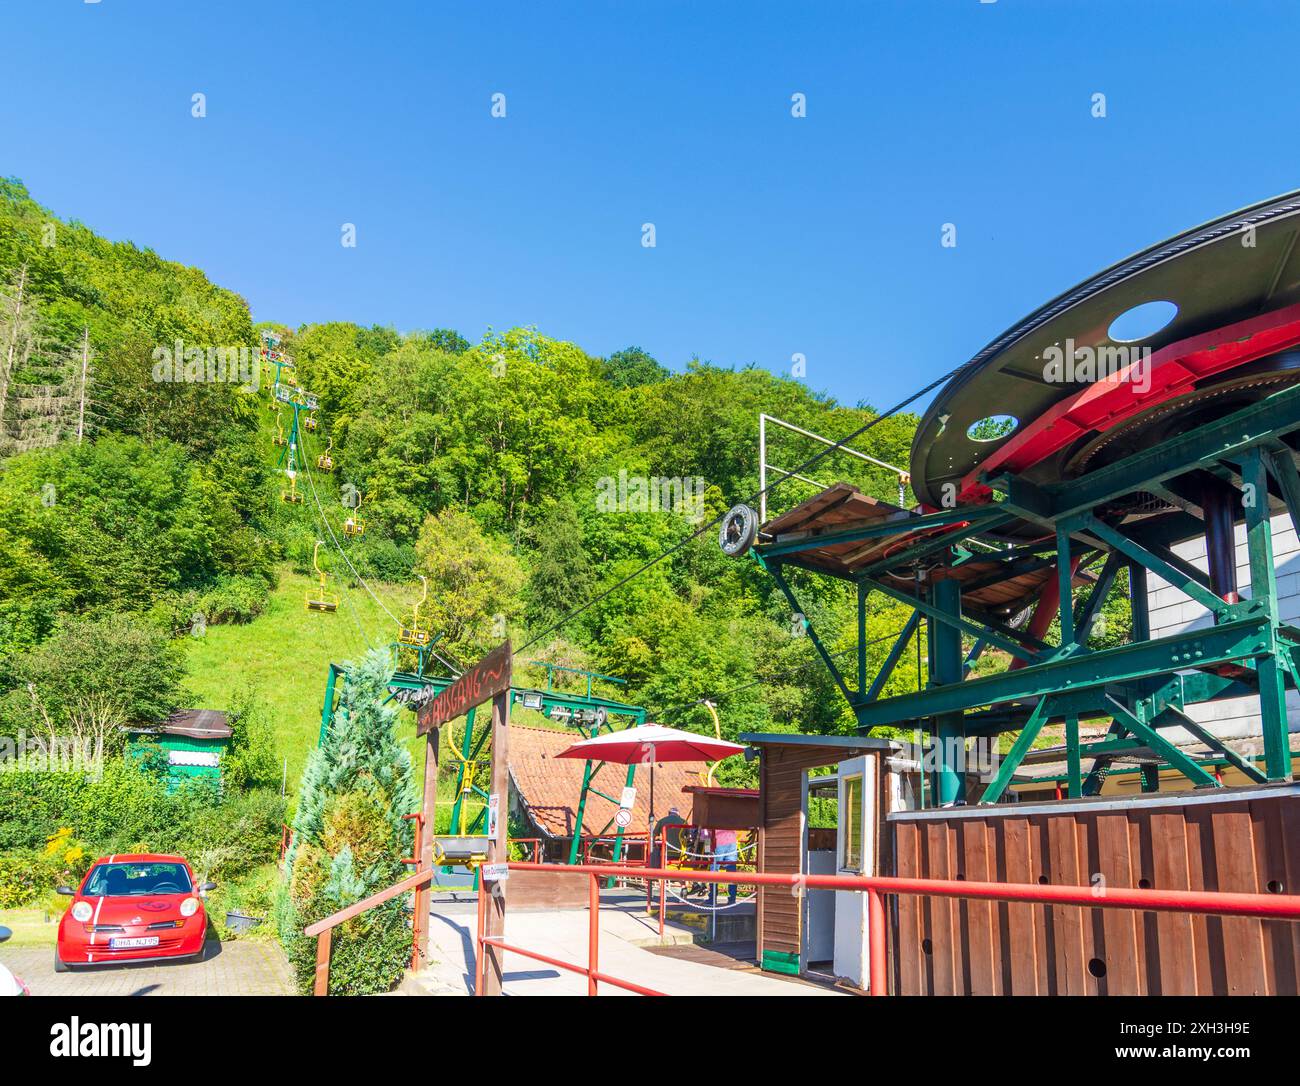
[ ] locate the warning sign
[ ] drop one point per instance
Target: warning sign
(624, 818)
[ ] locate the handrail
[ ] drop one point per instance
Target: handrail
(1214, 903)
(323, 929)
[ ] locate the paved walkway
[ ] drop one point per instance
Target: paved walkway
(627, 937)
(233, 968)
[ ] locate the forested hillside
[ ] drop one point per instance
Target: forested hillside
(519, 474)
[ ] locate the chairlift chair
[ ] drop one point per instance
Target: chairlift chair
(291, 495)
(415, 634)
(355, 524)
(325, 462)
(321, 600)
(310, 423)
(279, 432)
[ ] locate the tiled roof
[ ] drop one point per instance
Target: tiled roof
(549, 787)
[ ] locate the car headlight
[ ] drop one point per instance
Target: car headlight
(189, 906)
(82, 911)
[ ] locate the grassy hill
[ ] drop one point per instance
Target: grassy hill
(285, 654)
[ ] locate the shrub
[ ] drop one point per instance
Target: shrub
(250, 760)
(350, 839)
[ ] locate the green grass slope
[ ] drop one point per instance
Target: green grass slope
(285, 654)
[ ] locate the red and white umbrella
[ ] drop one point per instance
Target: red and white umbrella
(652, 743)
(648, 744)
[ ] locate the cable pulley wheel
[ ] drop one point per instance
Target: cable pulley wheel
(739, 530)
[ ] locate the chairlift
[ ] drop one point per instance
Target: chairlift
(325, 462)
(310, 423)
(291, 495)
(355, 524)
(415, 634)
(279, 431)
(322, 600)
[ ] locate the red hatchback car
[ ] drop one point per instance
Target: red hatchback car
(133, 908)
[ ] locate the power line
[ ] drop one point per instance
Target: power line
(807, 665)
(800, 469)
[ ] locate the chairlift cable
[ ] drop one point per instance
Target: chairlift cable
(799, 470)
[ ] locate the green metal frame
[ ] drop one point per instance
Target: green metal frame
(544, 701)
(1143, 686)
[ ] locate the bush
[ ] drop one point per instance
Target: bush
(384, 560)
(250, 760)
(252, 895)
(232, 839)
(350, 839)
(130, 810)
(28, 874)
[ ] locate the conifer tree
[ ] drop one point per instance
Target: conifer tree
(349, 839)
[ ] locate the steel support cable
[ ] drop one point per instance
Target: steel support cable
(343, 554)
(800, 469)
(347, 596)
(361, 580)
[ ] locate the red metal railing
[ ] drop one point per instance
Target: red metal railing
(690, 864)
(1261, 906)
(535, 847)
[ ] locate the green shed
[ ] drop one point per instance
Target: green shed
(194, 741)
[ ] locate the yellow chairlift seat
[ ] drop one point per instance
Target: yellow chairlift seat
(325, 462)
(310, 423)
(291, 495)
(321, 599)
(355, 524)
(415, 634)
(279, 432)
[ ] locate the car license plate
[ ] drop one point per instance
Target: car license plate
(135, 941)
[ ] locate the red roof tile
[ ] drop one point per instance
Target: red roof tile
(549, 787)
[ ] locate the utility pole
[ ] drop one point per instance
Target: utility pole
(85, 359)
(13, 344)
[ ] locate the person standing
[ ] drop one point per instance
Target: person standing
(725, 854)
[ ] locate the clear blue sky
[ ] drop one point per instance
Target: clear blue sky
(775, 235)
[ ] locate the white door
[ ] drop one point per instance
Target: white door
(855, 855)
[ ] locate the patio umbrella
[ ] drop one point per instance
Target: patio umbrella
(651, 743)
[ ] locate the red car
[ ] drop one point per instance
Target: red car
(133, 908)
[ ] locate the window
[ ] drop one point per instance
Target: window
(851, 859)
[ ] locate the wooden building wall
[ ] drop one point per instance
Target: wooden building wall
(780, 838)
(1247, 841)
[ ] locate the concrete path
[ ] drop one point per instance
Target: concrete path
(626, 936)
(233, 968)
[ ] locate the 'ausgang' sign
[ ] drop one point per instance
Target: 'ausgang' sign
(489, 677)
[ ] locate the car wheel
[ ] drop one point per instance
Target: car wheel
(60, 966)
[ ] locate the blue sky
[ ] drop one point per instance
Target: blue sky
(775, 235)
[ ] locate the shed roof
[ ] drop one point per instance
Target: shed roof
(193, 724)
(986, 585)
(851, 742)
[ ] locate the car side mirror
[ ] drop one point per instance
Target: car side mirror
(66, 891)
(208, 886)
(4, 934)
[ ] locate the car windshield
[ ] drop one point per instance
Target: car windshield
(137, 880)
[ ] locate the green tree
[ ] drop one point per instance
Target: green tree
(474, 582)
(631, 367)
(93, 677)
(350, 838)
(561, 576)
